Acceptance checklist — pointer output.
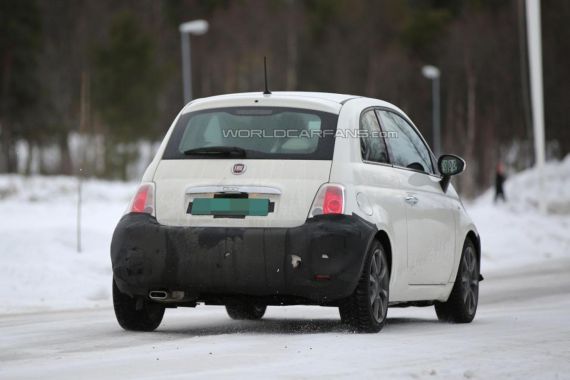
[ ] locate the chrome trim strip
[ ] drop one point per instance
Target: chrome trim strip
(250, 189)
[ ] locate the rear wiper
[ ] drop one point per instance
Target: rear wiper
(217, 150)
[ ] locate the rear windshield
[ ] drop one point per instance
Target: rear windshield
(255, 133)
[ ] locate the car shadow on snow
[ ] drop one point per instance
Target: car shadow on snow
(284, 326)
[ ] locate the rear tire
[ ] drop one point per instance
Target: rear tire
(462, 303)
(146, 317)
(366, 309)
(246, 311)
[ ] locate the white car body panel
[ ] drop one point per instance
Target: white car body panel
(298, 182)
(426, 239)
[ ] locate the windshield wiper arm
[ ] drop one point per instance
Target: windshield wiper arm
(217, 150)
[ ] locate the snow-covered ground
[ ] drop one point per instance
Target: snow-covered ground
(522, 331)
(40, 267)
(56, 320)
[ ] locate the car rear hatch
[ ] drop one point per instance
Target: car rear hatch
(244, 167)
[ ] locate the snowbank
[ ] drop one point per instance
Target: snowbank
(40, 268)
(515, 233)
(523, 193)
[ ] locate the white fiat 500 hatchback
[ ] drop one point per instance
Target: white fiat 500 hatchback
(295, 198)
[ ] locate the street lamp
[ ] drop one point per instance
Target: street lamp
(537, 92)
(433, 73)
(196, 27)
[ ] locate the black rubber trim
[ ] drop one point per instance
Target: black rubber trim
(242, 261)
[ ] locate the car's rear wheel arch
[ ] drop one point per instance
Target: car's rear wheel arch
(377, 236)
(383, 238)
(474, 238)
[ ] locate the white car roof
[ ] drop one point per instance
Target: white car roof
(323, 101)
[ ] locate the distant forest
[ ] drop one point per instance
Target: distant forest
(84, 83)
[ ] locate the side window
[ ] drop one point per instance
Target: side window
(407, 148)
(372, 145)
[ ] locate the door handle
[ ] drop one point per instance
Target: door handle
(411, 199)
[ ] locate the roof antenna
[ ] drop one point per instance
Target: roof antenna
(266, 92)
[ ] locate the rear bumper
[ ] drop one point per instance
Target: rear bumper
(207, 262)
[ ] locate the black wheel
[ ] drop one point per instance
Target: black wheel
(244, 310)
(366, 309)
(136, 314)
(462, 303)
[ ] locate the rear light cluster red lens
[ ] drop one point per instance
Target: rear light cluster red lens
(143, 201)
(334, 202)
(140, 200)
(329, 200)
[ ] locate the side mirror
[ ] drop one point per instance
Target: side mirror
(449, 165)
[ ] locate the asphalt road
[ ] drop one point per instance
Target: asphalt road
(522, 329)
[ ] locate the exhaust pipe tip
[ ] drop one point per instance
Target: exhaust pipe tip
(158, 295)
(164, 295)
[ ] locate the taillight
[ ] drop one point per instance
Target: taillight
(329, 200)
(143, 201)
(334, 202)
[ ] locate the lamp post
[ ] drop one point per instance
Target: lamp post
(196, 27)
(537, 92)
(433, 73)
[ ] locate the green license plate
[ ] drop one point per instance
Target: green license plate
(230, 206)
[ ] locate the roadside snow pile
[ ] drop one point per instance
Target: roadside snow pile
(523, 193)
(515, 233)
(39, 265)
